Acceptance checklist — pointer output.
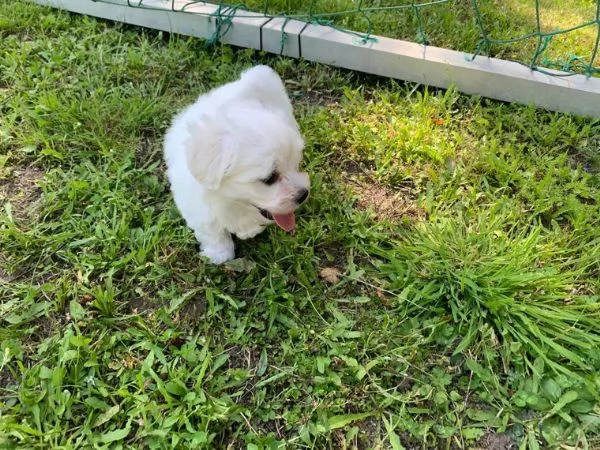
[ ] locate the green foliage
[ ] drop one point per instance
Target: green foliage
(468, 318)
(540, 34)
(498, 280)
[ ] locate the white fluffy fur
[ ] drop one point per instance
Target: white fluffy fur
(219, 149)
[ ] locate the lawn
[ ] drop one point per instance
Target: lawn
(512, 26)
(441, 289)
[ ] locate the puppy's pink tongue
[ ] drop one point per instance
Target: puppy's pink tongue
(286, 222)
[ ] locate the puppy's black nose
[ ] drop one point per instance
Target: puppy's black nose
(302, 196)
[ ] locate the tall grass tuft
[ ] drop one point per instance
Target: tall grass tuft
(488, 272)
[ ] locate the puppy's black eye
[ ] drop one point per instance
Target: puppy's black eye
(271, 178)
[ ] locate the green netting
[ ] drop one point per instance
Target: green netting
(556, 34)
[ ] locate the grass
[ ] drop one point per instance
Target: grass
(456, 24)
(441, 290)
(566, 37)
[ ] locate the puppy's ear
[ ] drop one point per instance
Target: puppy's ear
(209, 152)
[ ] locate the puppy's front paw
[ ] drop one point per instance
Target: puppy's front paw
(248, 234)
(219, 255)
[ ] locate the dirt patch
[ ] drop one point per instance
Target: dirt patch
(6, 379)
(141, 305)
(325, 98)
(495, 441)
(22, 190)
(4, 277)
(384, 203)
(47, 326)
(334, 254)
(194, 309)
(586, 163)
(372, 435)
(369, 436)
(243, 357)
(148, 150)
(248, 359)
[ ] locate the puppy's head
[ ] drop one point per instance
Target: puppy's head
(251, 156)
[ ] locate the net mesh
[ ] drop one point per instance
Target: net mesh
(541, 34)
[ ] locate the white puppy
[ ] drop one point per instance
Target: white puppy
(233, 162)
